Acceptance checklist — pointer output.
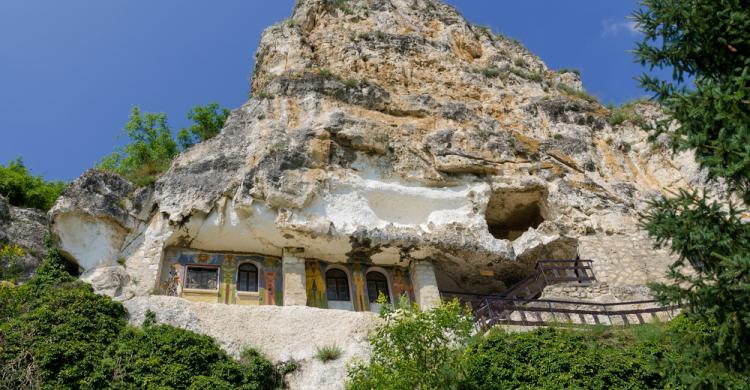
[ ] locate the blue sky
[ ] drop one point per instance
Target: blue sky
(70, 71)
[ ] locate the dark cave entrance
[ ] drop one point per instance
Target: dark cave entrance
(510, 213)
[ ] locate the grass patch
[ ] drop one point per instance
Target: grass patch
(626, 113)
(525, 74)
(570, 70)
(328, 353)
(572, 92)
(333, 5)
(491, 72)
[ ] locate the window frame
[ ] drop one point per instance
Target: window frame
(385, 280)
(205, 267)
(257, 278)
(346, 278)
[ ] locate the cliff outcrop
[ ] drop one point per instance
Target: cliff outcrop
(388, 131)
(389, 135)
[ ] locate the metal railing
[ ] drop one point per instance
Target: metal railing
(544, 312)
(519, 306)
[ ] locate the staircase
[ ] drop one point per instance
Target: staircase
(549, 272)
(520, 305)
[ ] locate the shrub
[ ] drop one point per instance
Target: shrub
(554, 359)
(56, 333)
(328, 353)
(25, 190)
(327, 73)
(10, 262)
(163, 356)
(415, 349)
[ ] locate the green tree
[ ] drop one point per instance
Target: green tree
(706, 44)
(150, 151)
(415, 349)
(25, 190)
(207, 120)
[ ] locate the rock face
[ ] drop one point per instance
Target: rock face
(386, 132)
(385, 136)
(27, 229)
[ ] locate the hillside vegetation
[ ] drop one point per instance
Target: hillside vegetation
(435, 349)
(22, 189)
(56, 333)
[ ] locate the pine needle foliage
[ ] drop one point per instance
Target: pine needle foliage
(706, 45)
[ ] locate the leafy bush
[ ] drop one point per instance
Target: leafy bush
(332, 5)
(328, 353)
(556, 359)
(56, 333)
(167, 357)
(25, 190)
(415, 349)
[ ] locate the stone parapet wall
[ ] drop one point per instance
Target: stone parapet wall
(621, 260)
(623, 265)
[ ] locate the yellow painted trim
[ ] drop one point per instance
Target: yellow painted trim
(195, 295)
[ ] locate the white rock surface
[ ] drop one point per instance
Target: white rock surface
(283, 333)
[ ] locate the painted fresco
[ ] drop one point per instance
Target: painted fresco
(361, 302)
(315, 284)
(402, 285)
(270, 291)
(316, 287)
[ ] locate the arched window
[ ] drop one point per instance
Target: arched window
(337, 285)
(247, 277)
(376, 284)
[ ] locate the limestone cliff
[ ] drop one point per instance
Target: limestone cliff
(381, 133)
(387, 131)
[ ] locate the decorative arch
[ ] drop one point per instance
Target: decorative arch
(338, 285)
(378, 280)
(248, 277)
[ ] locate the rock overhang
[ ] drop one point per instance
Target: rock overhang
(387, 133)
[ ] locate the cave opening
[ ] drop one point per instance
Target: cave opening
(510, 213)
